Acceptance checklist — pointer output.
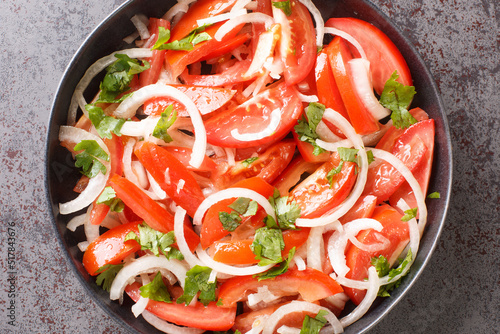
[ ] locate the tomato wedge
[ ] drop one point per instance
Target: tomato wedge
(151, 75)
(384, 56)
(292, 175)
(306, 150)
(110, 248)
(153, 214)
(395, 230)
(311, 284)
(230, 76)
(316, 195)
(254, 116)
(157, 162)
(210, 317)
(183, 154)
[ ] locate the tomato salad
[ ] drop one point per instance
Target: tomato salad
(250, 177)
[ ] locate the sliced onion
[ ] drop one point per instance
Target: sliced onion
(361, 77)
(221, 17)
(82, 246)
(300, 306)
(239, 5)
(156, 187)
(140, 22)
(339, 121)
(371, 294)
(288, 330)
(76, 222)
(232, 193)
(326, 134)
(230, 153)
(144, 264)
(308, 98)
(97, 183)
(190, 258)
(179, 8)
(142, 303)
(131, 38)
(315, 248)
(299, 262)
(347, 37)
(142, 128)
(262, 295)
(167, 327)
(268, 131)
(318, 18)
(247, 18)
(334, 146)
(129, 107)
(263, 50)
(91, 230)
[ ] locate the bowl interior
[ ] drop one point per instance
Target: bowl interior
(61, 174)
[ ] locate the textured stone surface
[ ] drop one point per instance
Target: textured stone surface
(459, 291)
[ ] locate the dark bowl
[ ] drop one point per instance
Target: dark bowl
(61, 175)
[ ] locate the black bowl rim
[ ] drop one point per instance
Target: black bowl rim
(365, 323)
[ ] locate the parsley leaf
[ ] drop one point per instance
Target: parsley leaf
(155, 241)
(306, 129)
(397, 97)
(104, 125)
(197, 281)
(281, 268)
(89, 158)
(314, 325)
(230, 221)
(108, 197)
(383, 269)
(409, 214)
(285, 6)
(267, 245)
(249, 161)
(107, 274)
(156, 290)
(434, 195)
(167, 118)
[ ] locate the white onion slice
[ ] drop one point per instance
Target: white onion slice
(156, 187)
(76, 222)
(82, 246)
(333, 146)
(180, 7)
(144, 264)
(288, 330)
(326, 134)
(371, 294)
(315, 248)
(142, 303)
(347, 37)
(232, 193)
(361, 77)
(299, 262)
(140, 23)
(221, 17)
(190, 258)
(97, 183)
(263, 50)
(318, 18)
(262, 295)
(300, 306)
(239, 5)
(339, 121)
(268, 131)
(247, 18)
(167, 327)
(142, 128)
(308, 98)
(230, 153)
(91, 230)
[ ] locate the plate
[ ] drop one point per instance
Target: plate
(60, 173)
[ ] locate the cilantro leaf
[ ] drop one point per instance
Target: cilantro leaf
(383, 269)
(104, 125)
(334, 171)
(89, 158)
(249, 161)
(107, 274)
(285, 6)
(244, 206)
(277, 270)
(230, 221)
(381, 265)
(197, 281)
(409, 214)
(370, 156)
(306, 129)
(348, 154)
(314, 325)
(153, 240)
(267, 245)
(286, 213)
(434, 195)
(187, 43)
(167, 118)
(156, 290)
(397, 97)
(108, 197)
(163, 37)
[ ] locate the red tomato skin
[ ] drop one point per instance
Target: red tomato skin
(109, 247)
(231, 76)
(306, 150)
(359, 261)
(153, 214)
(380, 50)
(292, 174)
(254, 116)
(314, 195)
(210, 318)
(310, 283)
(363, 208)
(157, 160)
(360, 118)
(183, 154)
(151, 75)
(227, 46)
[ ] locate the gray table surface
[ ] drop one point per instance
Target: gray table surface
(458, 292)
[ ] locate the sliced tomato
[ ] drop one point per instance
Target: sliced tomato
(297, 45)
(159, 162)
(110, 247)
(395, 230)
(363, 208)
(210, 317)
(206, 99)
(311, 284)
(254, 116)
(230, 76)
(384, 56)
(153, 214)
(183, 154)
(227, 46)
(316, 195)
(293, 174)
(240, 251)
(307, 150)
(360, 118)
(151, 75)
(212, 229)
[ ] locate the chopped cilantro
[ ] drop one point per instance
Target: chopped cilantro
(306, 129)
(155, 241)
(397, 97)
(286, 213)
(105, 125)
(249, 161)
(166, 120)
(108, 197)
(383, 269)
(434, 195)
(279, 269)
(409, 214)
(89, 158)
(107, 274)
(370, 156)
(314, 325)
(334, 171)
(267, 245)
(163, 37)
(230, 221)
(187, 43)
(285, 6)
(348, 154)
(244, 206)
(197, 281)
(156, 290)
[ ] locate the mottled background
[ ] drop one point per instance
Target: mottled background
(458, 292)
